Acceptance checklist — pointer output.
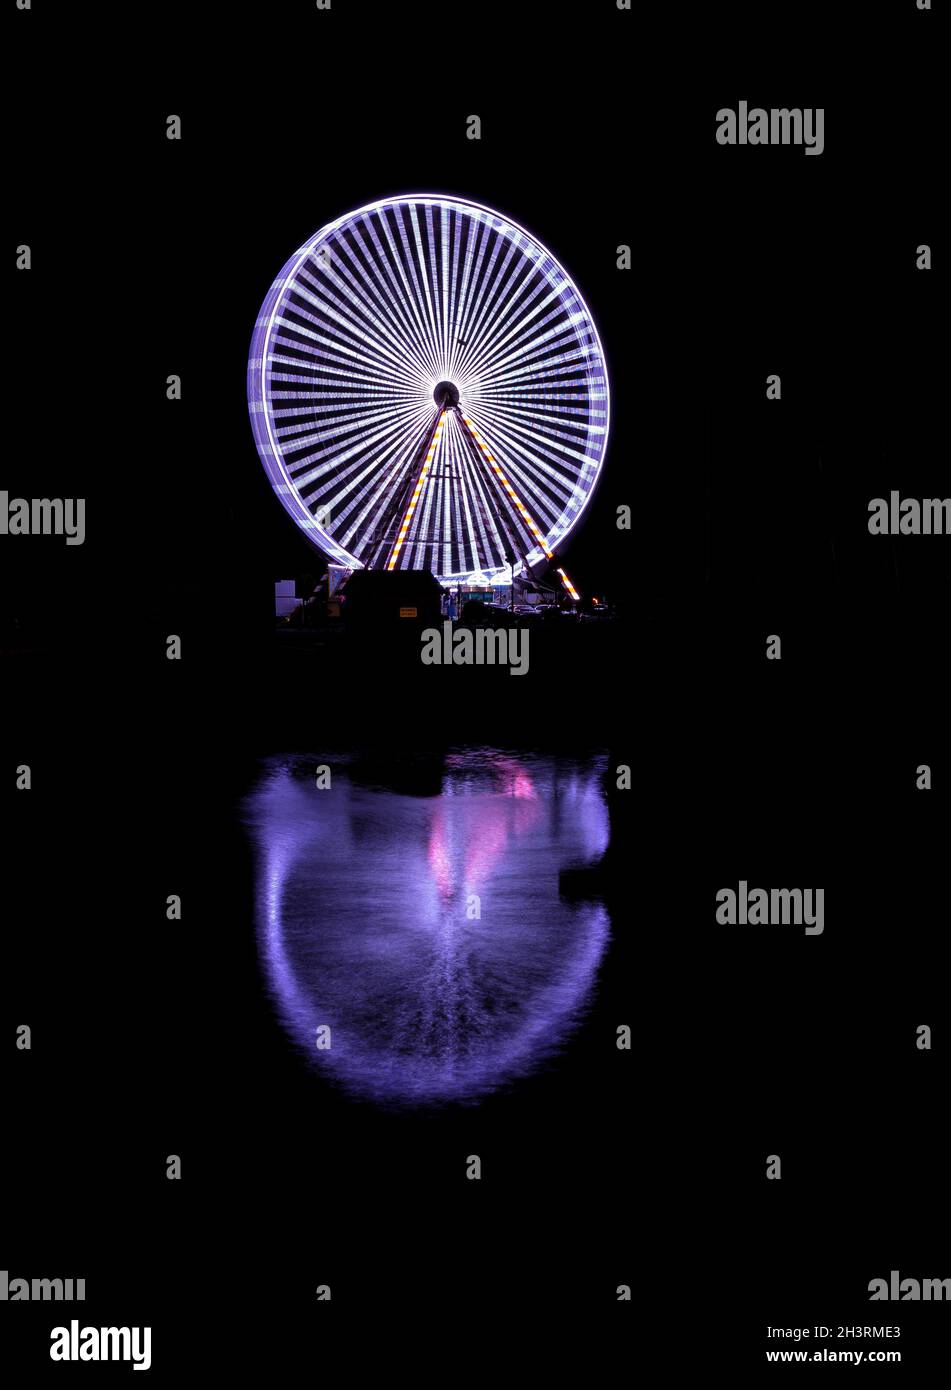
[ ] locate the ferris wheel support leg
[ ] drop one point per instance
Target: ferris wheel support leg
(396, 507)
(420, 483)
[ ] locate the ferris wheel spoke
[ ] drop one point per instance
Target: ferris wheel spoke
(371, 332)
(571, 444)
(419, 281)
(392, 287)
(434, 242)
(476, 266)
(494, 299)
(535, 445)
(516, 305)
(483, 274)
(509, 312)
(337, 484)
(371, 354)
(336, 350)
(451, 279)
(388, 303)
(438, 300)
(317, 464)
(534, 422)
(391, 295)
(536, 342)
(468, 260)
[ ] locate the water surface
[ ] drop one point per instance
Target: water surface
(427, 931)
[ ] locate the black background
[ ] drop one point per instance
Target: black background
(750, 518)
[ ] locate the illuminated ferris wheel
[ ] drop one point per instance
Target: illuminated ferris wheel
(428, 391)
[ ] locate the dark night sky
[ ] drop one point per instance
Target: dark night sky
(152, 257)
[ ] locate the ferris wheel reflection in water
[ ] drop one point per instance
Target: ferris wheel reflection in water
(426, 937)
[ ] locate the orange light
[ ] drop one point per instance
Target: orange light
(572, 591)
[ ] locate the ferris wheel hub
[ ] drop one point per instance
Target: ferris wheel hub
(446, 395)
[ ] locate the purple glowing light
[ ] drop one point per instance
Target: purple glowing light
(364, 902)
(370, 318)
